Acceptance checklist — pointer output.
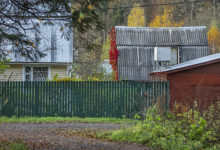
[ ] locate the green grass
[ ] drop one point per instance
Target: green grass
(12, 146)
(65, 119)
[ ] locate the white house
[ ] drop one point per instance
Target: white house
(59, 55)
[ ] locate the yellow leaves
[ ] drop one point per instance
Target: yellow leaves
(165, 20)
(106, 49)
(61, 29)
(81, 17)
(136, 17)
(6, 101)
(214, 38)
(90, 7)
(16, 42)
(72, 10)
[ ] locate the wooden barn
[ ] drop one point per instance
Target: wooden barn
(195, 80)
(142, 50)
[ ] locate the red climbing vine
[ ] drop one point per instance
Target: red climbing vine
(113, 53)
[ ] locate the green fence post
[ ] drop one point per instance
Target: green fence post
(36, 98)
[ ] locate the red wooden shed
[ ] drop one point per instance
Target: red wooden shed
(195, 80)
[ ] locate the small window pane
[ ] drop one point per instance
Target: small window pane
(40, 73)
(27, 77)
(28, 69)
(174, 56)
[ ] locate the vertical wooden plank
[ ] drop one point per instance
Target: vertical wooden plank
(134, 95)
(50, 98)
(27, 93)
(65, 98)
(112, 101)
(83, 98)
(1, 89)
(73, 98)
(86, 98)
(25, 97)
(53, 98)
(62, 98)
(18, 97)
(104, 98)
(100, 99)
(120, 97)
(58, 98)
(90, 98)
(44, 97)
(94, 99)
(80, 98)
(109, 99)
(77, 98)
(15, 99)
(70, 98)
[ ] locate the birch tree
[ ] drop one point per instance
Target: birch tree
(136, 17)
(214, 38)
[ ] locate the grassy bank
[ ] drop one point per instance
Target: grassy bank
(187, 130)
(12, 146)
(65, 119)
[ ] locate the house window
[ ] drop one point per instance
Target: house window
(166, 55)
(175, 56)
(36, 73)
(28, 74)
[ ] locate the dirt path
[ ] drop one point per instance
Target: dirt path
(47, 136)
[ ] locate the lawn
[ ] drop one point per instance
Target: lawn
(12, 146)
(65, 119)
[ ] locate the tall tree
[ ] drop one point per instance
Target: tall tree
(17, 17)
(136, 16)
(214, 38)
(165, 20)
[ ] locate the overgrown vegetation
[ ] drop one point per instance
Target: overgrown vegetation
(65, 119)
(187, 129)
(12, 146)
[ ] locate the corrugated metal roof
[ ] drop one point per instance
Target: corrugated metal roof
(193, 62)
(166, 36)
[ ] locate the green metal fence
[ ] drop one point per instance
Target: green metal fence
(81, 98)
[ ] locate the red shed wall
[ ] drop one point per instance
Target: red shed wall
(201, 84)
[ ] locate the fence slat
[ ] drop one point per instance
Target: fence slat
(81, 98)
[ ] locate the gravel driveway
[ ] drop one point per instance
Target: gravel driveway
(42, 136)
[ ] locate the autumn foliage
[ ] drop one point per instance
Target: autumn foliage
(136, 17)
(165, 20)
(214, 38)
(113, 53)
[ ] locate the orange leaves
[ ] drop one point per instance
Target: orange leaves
(136, 17)
(165, 20)
(214, 38)
(90, 7)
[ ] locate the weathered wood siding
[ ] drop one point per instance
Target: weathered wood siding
(61, 71)
(193, 52)
(145, 36)
(201, 84)
(136, 48)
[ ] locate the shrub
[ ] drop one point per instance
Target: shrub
(185, 130)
